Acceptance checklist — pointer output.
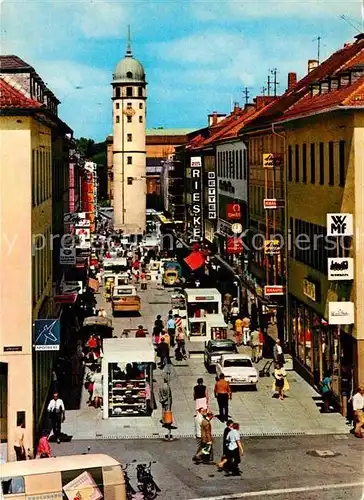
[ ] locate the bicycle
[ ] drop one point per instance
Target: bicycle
(146, 483)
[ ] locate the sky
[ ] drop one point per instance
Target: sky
(198, 55)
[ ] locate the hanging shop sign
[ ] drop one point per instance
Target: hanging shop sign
(341, 313)
(272, 247)
(340, 268)
(272, 160)
(273, 290)
(236, 228)
(66, 298)
(83, 236)
(233, 211)
(196, 221)
(272, 203)
(234, 245)
(340, 225)
(73, 217)
(196, 161)
(310, 290)
(47, 335)
(211, 193)
(67, 256)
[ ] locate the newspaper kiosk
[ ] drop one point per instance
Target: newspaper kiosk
(202, 303)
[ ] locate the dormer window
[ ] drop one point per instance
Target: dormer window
(355, 75)
(315, 89)
(324, 87)
(344, 80)
(334, 84)
(129, 74)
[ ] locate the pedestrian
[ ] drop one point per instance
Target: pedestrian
(254, 343)
(223, 393)
(43, 448)
(19, 447)
(326, 391)
(235, 449)
(358, 409)
(102, 313)
(163, 353)
(165, 398)
(238, 331)
(180, 352)
(57, 414)
(140, 333)
(171, 329)
(280, 382)
(278, 355)
(97, 395)
(159, 281)
(246, 330)
(206, 453)
(234, 311)
(197, 421)
(143, 280)
(156, 335)
(261, 344)
(225, 452)
(200, 395)
(158, 323)
(167, 338)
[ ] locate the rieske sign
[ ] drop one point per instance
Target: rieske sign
(211, 185)
(340, 225)
(196, 198)
(340, 269)
(341, 313)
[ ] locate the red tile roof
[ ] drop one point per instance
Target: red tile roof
(351, 95)
(349, 56)
(10, 98)
(13, 63)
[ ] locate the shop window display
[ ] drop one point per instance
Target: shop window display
(308, 339)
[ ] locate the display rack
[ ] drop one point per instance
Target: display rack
(127, 397)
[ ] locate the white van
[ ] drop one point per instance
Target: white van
(93, 476)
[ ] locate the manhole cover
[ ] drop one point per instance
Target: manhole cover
(324, 453)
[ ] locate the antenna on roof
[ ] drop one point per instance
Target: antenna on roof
(246, 95)
(318, 40)
(264, 89)
(347, 20)
(274, 72)
(268, 84)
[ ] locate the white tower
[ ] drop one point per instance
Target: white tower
(129, 150)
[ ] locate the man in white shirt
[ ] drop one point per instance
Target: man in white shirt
(358, 408)
(56, 413)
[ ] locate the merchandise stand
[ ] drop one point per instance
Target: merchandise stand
(127, 369)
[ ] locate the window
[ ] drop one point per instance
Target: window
(140, 92)
(140, 105)
(117, 105)
(140, 119)
(129, 160)
(129, 119)
(13, 485)
(129, 74)
(313, 162)
(322, 163)
(342, 163)
(130, 181)
(129, 91)
(129, 137)
(117, 118)
(290, 154)
(128, 105)
(117, 92)
(331, 164)
(304, 163)
(245, 164)
(297, 163)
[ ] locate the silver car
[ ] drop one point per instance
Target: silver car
(214, 349)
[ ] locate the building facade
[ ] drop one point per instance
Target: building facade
(129, 148)
(28, 127)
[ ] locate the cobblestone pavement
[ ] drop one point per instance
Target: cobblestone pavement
(258, 413)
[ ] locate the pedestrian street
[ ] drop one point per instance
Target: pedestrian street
(258, 413)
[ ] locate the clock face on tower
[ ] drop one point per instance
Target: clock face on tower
(129, 111)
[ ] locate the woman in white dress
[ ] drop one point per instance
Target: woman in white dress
(97, 395)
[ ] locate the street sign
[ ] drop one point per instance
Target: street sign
(67, 256)
(273, 203)
(273, 290)
(47, 335)
(237, 228)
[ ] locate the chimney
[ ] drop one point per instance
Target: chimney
(248, 106)
(212, 119)
(236, 108)
(292, 80)
(312, 64)
(259, 102)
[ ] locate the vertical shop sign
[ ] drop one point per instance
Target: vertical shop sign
(340, 225)
(196, 173)
(211, 186)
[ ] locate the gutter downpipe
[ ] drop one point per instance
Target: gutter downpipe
(286, 252)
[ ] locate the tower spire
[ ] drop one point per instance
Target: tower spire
(128, 47)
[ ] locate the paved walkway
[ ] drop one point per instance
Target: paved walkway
(257, 412)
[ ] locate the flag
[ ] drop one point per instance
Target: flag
(195, 260)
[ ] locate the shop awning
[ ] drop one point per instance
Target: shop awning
(128, 350)
(69, 298)
(97, 321)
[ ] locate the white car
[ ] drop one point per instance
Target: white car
(238, 370)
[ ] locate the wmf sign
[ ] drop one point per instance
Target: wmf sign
(340, 225)
(196, 174)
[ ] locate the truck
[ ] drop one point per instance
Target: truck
(125, 299)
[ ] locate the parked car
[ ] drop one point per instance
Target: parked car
(214, 349)
(238, 370)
